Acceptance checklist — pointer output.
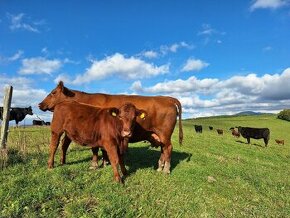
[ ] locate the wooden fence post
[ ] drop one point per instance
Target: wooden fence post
(6, 114)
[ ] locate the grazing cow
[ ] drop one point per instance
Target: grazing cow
(235, 133)
(279, 142)
(38, 122)
(220, 131)
(94, 127)
(210, 128)
(198, 128)
(157, 128)
(18, 114)
(256, 133)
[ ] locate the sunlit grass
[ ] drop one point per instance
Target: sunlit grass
(212, 176)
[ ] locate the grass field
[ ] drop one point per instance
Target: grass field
(212, 176)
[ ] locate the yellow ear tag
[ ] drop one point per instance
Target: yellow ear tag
(142, 116)
(114, 114)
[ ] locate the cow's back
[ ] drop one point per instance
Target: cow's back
(161, 109)
(85, 124)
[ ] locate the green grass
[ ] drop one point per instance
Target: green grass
(212, 176)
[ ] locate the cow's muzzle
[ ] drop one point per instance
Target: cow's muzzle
(126, 133)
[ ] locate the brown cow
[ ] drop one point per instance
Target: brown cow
(220, 131)
(235, 133)
(279, 142)
(157, 128)
(94, 127)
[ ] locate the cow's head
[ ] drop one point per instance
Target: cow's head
(29, 110)
(57, 95)
(128, 114)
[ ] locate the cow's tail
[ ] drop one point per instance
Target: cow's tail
(178, 104)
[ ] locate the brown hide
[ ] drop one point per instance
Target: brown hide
(95, 127)
(162, 112)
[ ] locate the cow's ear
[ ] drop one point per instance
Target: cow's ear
(114, 111)
(60, 85)
(142, 114)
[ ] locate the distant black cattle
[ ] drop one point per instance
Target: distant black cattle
(220, 131)
(255, 133)
(210, 128)
(198, 128)
(47, 123)
(16, 113)
(38, 122)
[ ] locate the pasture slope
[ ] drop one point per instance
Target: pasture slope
(212, 176)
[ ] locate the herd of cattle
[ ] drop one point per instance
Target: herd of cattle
(246, 132)
(110, 122)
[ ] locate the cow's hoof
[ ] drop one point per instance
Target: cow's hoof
(159, 169)
(166, 171)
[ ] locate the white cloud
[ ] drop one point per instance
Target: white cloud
(194, 65)
(39, 65)
(12, 58)
(192, 84)
(267, 93)
(165, 49)
(20, 22)
(206, 30)
(119, 65)
(271, 4)
(150, 54)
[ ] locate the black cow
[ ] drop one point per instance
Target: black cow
(255, 133)
(38, 122)
(18, 114)
(198, 128)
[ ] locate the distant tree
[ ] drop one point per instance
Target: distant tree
(284, 114)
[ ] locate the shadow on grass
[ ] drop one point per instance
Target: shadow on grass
(258, 145)
(140, 158)
(144, 157)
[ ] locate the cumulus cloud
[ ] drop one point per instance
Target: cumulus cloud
(121, 66)
(267, 93)
(271, 4)
(39, 65)
(22, 22)
(194, 65)
(192, 84)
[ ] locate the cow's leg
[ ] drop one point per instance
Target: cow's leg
(266, 141)
(122, 165)
(161, 161)
(64, 146)
(114, 159)
(248, 140)
(167, 150)
(94, 164)
(105, 159)
(55, 137)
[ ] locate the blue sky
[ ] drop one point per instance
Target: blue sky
(216, 57)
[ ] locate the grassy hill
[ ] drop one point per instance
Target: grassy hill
(212, 176)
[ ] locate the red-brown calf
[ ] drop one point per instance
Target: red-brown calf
(279, 142)
(95, 127)
(235, 133)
